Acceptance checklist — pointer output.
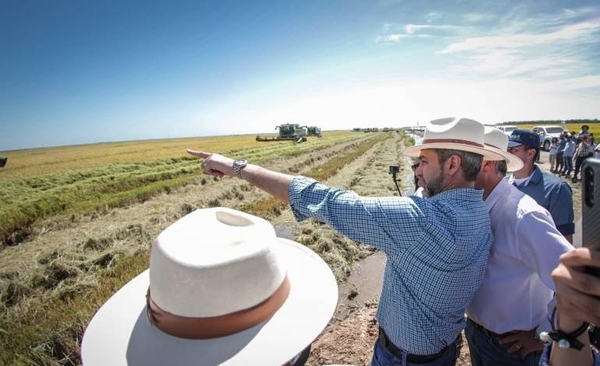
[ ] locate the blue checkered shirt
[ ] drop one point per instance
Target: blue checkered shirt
(436, 248)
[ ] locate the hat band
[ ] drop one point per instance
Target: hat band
(494, 146)
(218, 326)
(453, 141)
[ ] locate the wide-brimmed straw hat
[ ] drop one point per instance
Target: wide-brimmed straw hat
(497, 141)
(221, 289)
(452, 133)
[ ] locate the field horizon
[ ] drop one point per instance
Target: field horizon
(78, 224)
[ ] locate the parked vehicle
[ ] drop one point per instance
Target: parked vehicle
(546, 134)
(507, 129)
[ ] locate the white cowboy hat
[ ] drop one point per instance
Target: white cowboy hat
(497, 141)
(228, 288)
(452, 133)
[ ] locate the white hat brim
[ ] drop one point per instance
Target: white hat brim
(119, 333)
(513, 162)
(415, 151)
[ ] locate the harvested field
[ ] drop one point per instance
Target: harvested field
(54, 277)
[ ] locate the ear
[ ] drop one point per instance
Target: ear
(453, 164)
(488, 165)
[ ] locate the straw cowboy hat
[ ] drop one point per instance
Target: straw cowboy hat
(461, 134)
(497, 141)
(221, 289)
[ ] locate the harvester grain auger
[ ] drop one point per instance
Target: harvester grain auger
(287, 132)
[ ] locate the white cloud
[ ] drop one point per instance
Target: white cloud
(478, 17)
(579, 33)
(396, 33)
(432, 17)
(544, 47)
(394, 38)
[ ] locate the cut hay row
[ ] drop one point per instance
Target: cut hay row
(53, 282)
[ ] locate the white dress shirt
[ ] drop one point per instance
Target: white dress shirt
(518, 287)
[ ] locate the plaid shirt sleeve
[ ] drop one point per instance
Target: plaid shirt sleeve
(437, 250)
(364, 219)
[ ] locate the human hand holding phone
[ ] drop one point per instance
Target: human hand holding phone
(590, 207)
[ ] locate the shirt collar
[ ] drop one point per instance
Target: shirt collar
(534, 177)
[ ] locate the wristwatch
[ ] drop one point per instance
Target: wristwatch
(238, 165)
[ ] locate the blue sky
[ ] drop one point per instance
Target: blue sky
(74, 72)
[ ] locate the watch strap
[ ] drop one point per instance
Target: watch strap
(238, 165)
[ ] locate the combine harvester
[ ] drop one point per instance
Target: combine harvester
(313, 131)
(287, 132)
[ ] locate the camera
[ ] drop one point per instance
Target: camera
(394, 170)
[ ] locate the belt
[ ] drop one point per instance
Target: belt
(486, 331)
(397, 352)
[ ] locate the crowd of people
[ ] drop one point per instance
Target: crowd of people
(484, 246)
(569, 151)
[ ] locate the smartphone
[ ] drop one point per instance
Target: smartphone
(590, 206)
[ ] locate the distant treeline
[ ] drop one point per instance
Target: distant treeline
(552, 122)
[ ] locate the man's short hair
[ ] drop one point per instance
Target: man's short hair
(470, 162)
(501, 167)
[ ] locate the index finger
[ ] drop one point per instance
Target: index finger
(200, 154)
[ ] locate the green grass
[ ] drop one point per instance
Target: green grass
(49, 310)
(271, 207)
(61, 191)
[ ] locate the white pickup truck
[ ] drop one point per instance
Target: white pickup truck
(507, 129)
(546, 134)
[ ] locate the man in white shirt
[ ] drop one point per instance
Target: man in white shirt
(511, 305)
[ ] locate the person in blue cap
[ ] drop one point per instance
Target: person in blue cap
(550, 192)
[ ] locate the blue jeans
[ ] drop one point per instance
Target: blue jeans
(568, 162)
(382, 357)
(486, 351)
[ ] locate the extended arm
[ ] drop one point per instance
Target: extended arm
(274, 183)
